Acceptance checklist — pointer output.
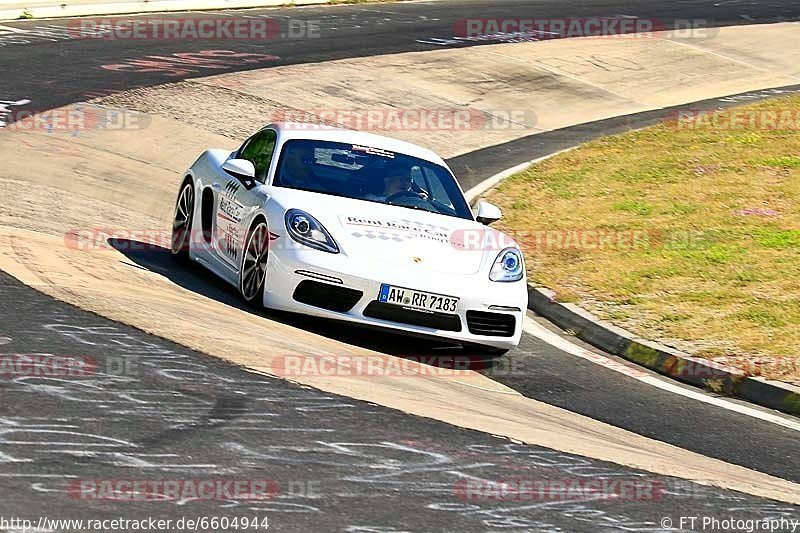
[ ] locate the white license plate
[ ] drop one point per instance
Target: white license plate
(423, 301)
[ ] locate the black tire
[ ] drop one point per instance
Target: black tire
(253, 271)
(182, 223)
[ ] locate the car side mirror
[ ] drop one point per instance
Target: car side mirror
(241, 169)
(487, 213)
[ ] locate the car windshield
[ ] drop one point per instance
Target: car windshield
(370, 174)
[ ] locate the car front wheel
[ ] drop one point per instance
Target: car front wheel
(253, 274)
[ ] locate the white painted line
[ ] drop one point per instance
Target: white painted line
(540, 332)
(382, 12)
(11, 29)
(493, 181)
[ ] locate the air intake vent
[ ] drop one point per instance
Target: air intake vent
(491, 324)
(395, 313)
(326, 296)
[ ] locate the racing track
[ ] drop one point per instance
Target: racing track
(343, 465)
(52, 70)
(209, 419)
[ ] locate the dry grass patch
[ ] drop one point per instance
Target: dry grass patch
(706, 229)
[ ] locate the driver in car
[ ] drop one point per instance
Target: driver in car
(398, 181)
(298, 172)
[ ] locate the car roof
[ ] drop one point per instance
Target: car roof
(293, 130)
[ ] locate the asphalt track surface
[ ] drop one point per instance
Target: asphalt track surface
(51, 68)
(154, 410)
(184, 409)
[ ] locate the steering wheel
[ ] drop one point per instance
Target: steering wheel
(403, 194)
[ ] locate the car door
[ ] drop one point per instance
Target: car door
(238, 197)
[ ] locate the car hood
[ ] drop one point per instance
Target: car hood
(399, 237)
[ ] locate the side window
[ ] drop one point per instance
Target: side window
(258, 149)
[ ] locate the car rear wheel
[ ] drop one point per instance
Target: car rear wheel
(253, 274)
(182, 222)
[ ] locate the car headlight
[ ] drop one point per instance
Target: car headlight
(508, 266)
(307, 230)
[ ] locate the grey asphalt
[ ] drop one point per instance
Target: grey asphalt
(49, 67)
(150, 410)
(182, 414)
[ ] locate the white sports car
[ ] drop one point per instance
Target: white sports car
(352, 226)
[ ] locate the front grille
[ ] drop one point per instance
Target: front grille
(491, 324)
(327, 296)
(395, 313)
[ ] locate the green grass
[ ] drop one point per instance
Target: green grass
(720, 271)
(781, 161)
(632, 206)
(338, 2)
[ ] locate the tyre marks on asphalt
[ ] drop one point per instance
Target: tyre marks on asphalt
(68, 30)
(47, 33)
(180, 64)
(172, 414)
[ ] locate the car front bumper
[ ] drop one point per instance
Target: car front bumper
(484, 306)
